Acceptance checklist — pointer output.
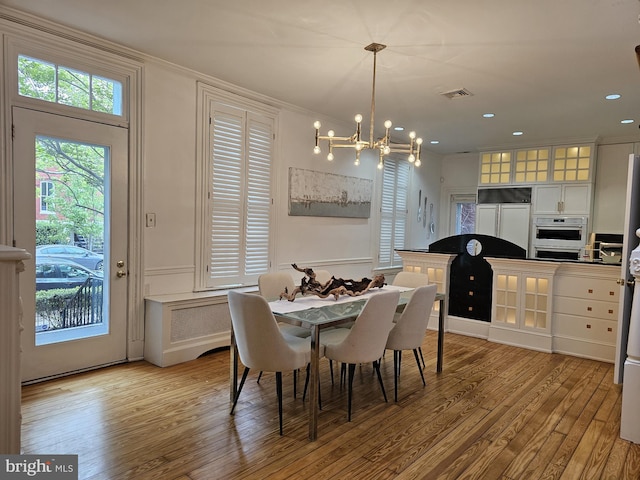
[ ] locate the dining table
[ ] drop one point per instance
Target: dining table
(318, 314)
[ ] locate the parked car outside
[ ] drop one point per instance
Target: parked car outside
(86, 258)
(60, 273)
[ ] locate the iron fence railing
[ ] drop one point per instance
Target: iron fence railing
(82, 307)
(85, 308)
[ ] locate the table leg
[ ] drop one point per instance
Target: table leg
(440, 336)
(233, 368)
(314, 383)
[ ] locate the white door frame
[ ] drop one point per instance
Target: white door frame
(46, 360)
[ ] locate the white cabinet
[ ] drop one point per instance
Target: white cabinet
(521, 309)
(566, 199)
(585, 313)
(610, 188)
(509, 221)
(181, 327)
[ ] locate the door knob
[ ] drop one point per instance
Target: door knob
(622, 281)
(121, 273)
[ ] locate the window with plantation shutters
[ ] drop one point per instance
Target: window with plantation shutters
(241, 144)
(393, 211)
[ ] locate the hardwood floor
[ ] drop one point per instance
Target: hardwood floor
(495, 412)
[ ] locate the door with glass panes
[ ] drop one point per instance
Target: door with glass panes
(70, 211)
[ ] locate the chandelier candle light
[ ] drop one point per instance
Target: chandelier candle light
(383, 145)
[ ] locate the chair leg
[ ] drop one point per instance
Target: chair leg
(376, 365)
(259, 377)
(331, 368)
(397, 356)
(279, 392)
(295, 382)
(306, 382)
(352, 371)
(424, 365)
(415, 354)
(235, 400)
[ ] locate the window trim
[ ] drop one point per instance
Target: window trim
(206, 97)
(92, 66)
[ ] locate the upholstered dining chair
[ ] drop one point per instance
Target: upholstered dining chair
(409, 330)
(270, 286)
(322, 276)
(412, 280)
(260, 343)
(364, 342)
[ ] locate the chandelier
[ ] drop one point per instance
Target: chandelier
(355, 141)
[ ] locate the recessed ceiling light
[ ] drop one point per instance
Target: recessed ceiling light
(488, 115)
(435, 142)
(517, 133)
(399, 129)
(612, 96)
(626, 121)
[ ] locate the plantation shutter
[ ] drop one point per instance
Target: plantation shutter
(393, 211)
(240, 199)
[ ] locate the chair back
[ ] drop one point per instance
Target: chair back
(259, 340)
(411, 279)
(271, 285)
(322, 276)
(410, 327)
(367, 338)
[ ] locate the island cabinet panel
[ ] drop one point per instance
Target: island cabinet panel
(522, 303)
(585, 316)
(551, 306)
(437, 267)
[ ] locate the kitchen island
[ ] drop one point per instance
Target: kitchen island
(551, 306)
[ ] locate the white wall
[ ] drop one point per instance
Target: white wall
(428, 179)
(344, 246)
(459, 175)
(169, 155)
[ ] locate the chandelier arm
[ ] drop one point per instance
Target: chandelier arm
(383, 144)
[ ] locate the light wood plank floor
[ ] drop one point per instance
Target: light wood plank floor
(495, 412)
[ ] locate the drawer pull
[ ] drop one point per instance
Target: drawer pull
(471, 293)
(590, 290)
(609, 329)
(589, 309)
(471, 278)
(610, 311)
(470, 309)
(588, 325)
(612, 293)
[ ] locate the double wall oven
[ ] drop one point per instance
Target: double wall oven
(558, 238)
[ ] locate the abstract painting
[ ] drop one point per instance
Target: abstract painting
(319, 194)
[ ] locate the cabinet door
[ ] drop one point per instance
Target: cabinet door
(576, 199)
(547, 199)
(486, 219)
(514, 224)
(566, 199)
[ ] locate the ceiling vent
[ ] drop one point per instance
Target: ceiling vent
(457, 93)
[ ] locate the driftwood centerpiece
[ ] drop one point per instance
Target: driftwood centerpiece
(334, 287)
